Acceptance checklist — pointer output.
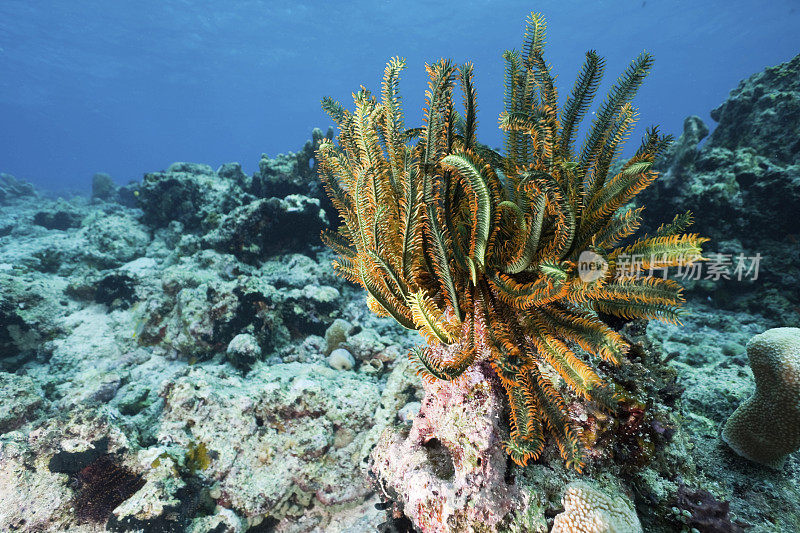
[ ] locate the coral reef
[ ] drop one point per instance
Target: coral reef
(265, 435)
(131, 345)
(11, 189)
(189, 193)
(252, 232)
(766, 427)
(291, 173)
(217, 207)
(124, 345)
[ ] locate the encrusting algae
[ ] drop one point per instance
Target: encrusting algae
(484, 253)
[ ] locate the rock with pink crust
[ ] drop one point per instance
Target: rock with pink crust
(449, 470)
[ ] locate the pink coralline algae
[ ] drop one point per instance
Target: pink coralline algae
(449, 470)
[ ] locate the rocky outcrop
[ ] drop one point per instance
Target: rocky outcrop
(291, 173)
(449, 468)
(742, 185)
(266, 227)
(11, 189)
(189, 193)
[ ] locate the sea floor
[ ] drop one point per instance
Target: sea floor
(150, 383)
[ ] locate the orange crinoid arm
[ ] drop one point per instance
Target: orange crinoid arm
(480, 251)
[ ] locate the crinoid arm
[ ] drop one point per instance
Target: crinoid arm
(480, 251)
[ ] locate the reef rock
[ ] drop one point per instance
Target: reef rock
(267, 227)
(153, 381)
(266, 436)
(205, 300)
(743, 188)
(20, 399)
(448, 470)
(189, 193)
(11, 188)
(243, 351)
(62, 218)
(65, 474)
(29, 317)
(113, 239)
(291, 173)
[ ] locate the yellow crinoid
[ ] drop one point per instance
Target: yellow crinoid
(482, 252)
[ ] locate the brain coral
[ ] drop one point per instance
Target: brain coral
(766, 427)
(590, 510)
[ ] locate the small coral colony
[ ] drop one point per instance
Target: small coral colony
(482, 251)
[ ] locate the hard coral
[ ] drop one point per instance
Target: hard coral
(590, 510)
(766, 427)
(490, 256)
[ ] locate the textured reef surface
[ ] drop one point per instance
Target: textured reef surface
(177, 355)
(742, 183)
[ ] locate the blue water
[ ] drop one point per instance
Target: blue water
(128, 87)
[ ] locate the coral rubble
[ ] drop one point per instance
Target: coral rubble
(163, 367)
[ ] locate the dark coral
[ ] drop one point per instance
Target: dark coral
(102, 486)
(128, 195)
(72, 462)
(708, 514)
(59, 220)
(292, 173)
(193, 500)
(115, 290)
(268, 226)
(396, 521)
(168, 196)
(100, 480)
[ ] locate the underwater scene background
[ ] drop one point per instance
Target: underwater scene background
(498, 306)
(125, 89)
